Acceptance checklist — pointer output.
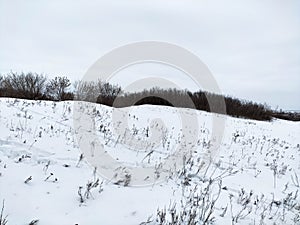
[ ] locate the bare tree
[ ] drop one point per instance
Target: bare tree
(29, 85)
(96, 91)
(57, 87)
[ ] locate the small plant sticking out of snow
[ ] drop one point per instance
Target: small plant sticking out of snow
(53, 179)
(46, 167)
(125, 181)
(28, 180)
(3, 219)
(34, 222)
(81, 199)
(79, 160)
(295, 180)
(197, 207)
(87, 194)
(47, 178)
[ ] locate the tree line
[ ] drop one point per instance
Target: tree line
(38, 87)
(35, 87)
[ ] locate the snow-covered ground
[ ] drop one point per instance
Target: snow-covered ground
(254, 178)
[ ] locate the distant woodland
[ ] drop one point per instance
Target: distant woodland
(35, 86)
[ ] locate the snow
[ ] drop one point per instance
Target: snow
(37, 138)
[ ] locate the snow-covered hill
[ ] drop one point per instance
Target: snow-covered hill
(45, 176)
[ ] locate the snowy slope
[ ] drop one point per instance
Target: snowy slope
(258, 163)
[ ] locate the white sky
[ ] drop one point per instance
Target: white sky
(251, 47)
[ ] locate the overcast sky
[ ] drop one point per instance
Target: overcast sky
(251, 47)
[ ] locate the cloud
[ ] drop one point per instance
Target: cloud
(252, 47)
